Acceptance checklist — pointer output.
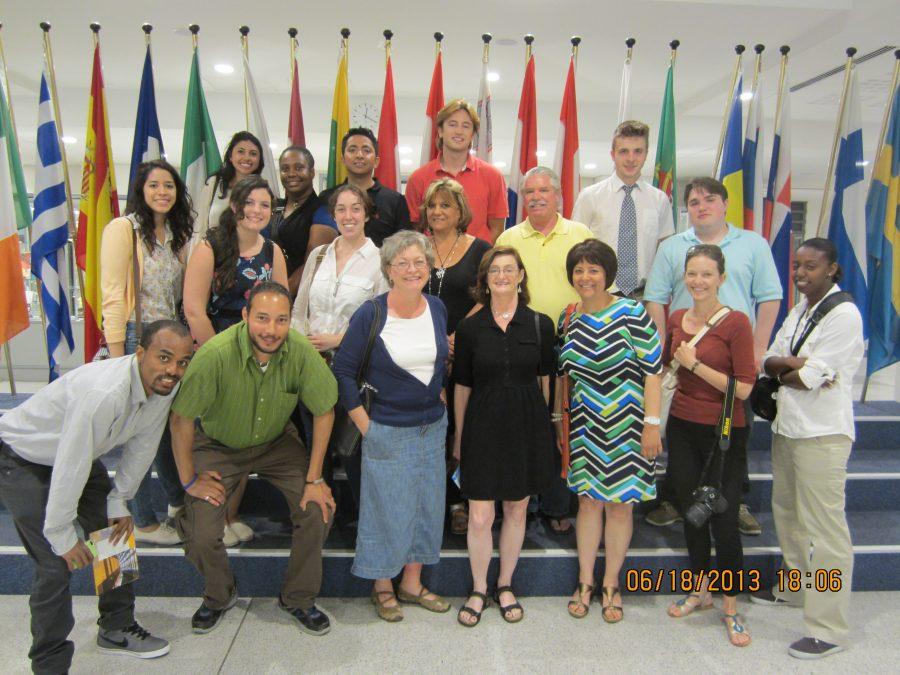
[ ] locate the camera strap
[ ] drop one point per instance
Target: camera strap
(723, 437)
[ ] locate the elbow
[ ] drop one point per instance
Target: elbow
(742, 391)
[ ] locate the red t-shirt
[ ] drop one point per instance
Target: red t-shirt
(482, 183)
(726, 347)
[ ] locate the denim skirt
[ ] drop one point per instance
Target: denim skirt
(401, 511)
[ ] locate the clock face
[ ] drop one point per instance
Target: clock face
(365, 115)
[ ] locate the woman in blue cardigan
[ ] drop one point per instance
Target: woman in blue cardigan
(401, 512)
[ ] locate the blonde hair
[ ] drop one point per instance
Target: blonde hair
(457, 194)
(452, 107)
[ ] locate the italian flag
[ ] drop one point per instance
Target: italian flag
(200, 156)
(340, 122)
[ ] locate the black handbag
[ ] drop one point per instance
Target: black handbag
(763, 398)
(345, 438)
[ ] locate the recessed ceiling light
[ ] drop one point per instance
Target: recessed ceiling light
(590, 166)
(68, 140)
(404, 150)
(224, 68)
(540, 153)
(499, 164)
(406, 161)
(747, 96)
(493, 76)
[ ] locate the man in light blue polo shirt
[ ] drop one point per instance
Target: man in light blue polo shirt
(751, 286)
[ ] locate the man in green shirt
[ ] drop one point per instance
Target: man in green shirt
(243, 385)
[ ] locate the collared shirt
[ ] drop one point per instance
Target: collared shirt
(750, 274)
(483, 184)
(326, 302)
(391, 212)
(241, 405)
(599, 207)
(834, 349)
(545, 261)
(78, 418)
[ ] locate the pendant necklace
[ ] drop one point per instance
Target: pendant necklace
(442, 267)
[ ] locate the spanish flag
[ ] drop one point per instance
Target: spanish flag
(340, 121)
(99, 204)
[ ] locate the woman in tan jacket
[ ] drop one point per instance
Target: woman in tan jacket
(153, 236)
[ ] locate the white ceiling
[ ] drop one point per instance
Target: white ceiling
(818, 31)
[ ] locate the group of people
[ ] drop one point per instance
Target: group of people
(248, 326)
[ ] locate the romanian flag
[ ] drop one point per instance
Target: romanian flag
(525, 146)
(731, 170)
(99, 204)
(432, 108)
(883, 231)
(388, 170)
(340, 121)
(14, 215)
(566, 164)
(664, 167)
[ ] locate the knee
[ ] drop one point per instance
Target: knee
(620, 513)
(515, 512)
(589, 507)
(310, 517)
(481, 518)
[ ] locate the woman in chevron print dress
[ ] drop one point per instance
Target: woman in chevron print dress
(611, 353)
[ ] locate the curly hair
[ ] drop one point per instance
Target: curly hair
(180, 217)
(224, 239)
(227, 172)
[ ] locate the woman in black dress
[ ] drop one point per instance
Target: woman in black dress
(504, 357)
(457, 255)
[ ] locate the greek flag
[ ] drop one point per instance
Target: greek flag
(50, 232)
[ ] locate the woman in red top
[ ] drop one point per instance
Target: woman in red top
(726, 350)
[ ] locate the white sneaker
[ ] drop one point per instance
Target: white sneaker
(164, 535)
(173, 511)
(243, 531)
(229, 537)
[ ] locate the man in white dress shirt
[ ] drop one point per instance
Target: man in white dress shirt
(56, 489)
(625, 211)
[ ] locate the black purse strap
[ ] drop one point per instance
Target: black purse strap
(824, 307)
(370, 345)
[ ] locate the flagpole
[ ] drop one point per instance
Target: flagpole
(529, 39)
(739, 50)
(829, 174)
(388, 35)
(625, 84)
(245, 50)
(759, 49)
(781, 75)
(292, 32)
(575, 40)
(438, 40)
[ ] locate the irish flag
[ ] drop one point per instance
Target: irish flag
(99, 204)
(566, 164)
(388, 170)
(14, 215)
(340, 122)
(200, 156)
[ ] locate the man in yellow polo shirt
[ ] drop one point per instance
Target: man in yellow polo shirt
(543, 240)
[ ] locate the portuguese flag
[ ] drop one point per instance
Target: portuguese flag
(664, 169)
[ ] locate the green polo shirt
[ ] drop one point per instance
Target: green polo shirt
(238, 404)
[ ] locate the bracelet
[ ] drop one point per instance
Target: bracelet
(317, 481)
(193, 480)
(556, 417)
(696, 363)
(652, 421)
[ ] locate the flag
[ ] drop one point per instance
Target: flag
(664, 166)
(752, 165)
(147, 137)
(388, 170)
(625, 92)
(340, 123)
(777, 221)
(883, 235)
(847, 223)
(432, 108)
(566, 162)
(731, 170)
(50, 232)
(200, 156)
(14, 215)
(259, 129)
(296, 134)
(524, 145)
(484, 141)
(99, 204)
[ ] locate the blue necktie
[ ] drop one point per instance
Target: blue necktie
(627, 277)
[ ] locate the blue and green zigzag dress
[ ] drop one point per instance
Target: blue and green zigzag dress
(608, 354)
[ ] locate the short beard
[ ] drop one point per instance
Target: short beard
(260, 348)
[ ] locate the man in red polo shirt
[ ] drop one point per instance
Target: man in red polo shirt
(483, 184)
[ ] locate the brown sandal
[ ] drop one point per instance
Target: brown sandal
(459, 521)
(465, 609)
(435, 604)
(389, 614)
(608, 612)
(576, 606)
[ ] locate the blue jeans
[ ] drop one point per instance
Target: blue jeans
(141, 507)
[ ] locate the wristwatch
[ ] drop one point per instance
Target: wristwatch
(317, 481)
(653, 421)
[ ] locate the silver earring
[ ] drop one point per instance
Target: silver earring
(519, 288)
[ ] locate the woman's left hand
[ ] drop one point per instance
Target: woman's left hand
(686, 354)
(325, 341)
(651, 442)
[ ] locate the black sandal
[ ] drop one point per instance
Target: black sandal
(485, 603)
(506, 609)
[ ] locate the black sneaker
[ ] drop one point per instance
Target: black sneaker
(810, 648)
(132, 641)
(313, 620)
(766, 596)
(206, 618)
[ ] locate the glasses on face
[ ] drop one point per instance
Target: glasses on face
(406, 265)
(505, 271)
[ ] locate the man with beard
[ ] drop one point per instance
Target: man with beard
(243, 386)
(57, 491)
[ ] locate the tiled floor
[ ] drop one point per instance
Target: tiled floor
(257, 637)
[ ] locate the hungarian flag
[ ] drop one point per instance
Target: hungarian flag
(731, 170)
(664, 167)
(388, 170)
(99, 204)
(340, 123)
(524, 146)
(296, 135)
(14, 215)
(432, 108)
(200, 156)
(566, 164)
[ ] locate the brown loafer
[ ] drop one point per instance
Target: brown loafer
(389, 614)
(435, 604)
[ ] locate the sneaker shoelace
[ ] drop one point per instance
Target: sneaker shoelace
(136, 630)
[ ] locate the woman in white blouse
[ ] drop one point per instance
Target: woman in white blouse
(813, 432)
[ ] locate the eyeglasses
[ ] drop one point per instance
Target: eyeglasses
(506, 271)
(405, 265)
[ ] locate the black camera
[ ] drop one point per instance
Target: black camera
(707, 501)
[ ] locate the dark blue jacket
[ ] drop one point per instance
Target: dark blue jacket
(401, 399)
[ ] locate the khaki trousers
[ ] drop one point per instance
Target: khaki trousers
(283, 463)
(808, 477)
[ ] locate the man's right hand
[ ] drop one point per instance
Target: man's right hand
(209, 488)
(78, 556)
